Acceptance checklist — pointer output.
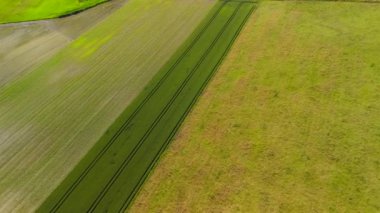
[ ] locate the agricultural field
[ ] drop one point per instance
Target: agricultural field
(290, 122)
(109, 176)
(52, 115)
(189, 106)
(27, 10)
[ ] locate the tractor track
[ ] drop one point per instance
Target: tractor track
(174, 131)
(162, 113)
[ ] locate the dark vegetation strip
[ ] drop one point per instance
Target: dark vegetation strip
(111, 182)
(130, 198)
(162, 113)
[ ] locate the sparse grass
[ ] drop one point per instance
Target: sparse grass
(26, 10)
(290, 122)
(51, 116)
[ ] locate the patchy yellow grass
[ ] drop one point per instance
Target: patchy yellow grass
(290, 122)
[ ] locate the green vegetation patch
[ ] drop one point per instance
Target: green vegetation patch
(290, 123)
(110, 175)
(27, 10)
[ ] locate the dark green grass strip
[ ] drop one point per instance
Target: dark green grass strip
(153, 163)
(158, 119)
(113, 180)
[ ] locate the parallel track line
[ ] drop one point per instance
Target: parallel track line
(136, 148)
(174, 131)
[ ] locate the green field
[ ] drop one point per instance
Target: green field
(27, 10)
(110, 175)
(190, 106)
(53, 115)
(290, 123)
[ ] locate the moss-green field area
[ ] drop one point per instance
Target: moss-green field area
(51, 116)
(290, 123)
(27, 10)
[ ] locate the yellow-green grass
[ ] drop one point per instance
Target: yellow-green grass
(27, 10)
(290, 123)
(51, 117)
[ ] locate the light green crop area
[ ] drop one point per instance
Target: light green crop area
(290, 123)
(51, 117)
(27, 10)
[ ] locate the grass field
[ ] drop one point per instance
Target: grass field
(52, 116)
(110, 175)
(290, 123)
(26, 10)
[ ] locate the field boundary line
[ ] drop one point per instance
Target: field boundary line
(61, 16)
(127, 122)
(158, 118)
(187, 111)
